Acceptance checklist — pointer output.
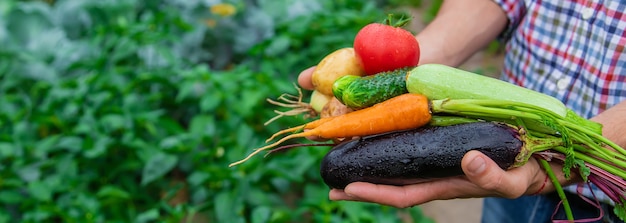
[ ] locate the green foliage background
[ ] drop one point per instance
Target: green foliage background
(130, 111)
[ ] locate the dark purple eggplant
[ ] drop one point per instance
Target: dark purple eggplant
(412, 156)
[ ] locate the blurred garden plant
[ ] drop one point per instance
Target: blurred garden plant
(130, 111)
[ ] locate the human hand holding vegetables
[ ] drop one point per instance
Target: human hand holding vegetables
(483, 178)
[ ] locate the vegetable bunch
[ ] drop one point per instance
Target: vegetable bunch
(377, 47)
(406, 97)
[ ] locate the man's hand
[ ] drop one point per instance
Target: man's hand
(483, 179)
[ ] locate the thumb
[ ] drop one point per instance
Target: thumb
(485, 173)
(305, 78)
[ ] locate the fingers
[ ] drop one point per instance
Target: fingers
(485, 173)
(340, 195)
(483, 178)
(406, 196)
(304, 79)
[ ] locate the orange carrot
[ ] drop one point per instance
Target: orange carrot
(402, 112)
(309, 125)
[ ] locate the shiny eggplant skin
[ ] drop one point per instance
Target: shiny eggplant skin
(412, 156)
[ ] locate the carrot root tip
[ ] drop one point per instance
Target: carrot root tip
(256, 151)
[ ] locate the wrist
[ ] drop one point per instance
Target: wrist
(542, 183)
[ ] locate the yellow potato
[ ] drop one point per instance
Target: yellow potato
(319, 100)
(337, 64)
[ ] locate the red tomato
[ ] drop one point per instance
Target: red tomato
(380, 47)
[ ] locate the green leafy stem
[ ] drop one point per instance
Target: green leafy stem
(581, 140)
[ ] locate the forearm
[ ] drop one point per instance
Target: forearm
(613, 123)
(460, 29)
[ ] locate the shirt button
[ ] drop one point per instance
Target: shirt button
(587, 13)
(562, 84)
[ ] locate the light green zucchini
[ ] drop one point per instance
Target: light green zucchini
(440, 82)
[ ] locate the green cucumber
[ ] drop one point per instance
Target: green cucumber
(443, 82)
(362, 92)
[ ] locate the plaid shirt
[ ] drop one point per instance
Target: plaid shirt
(573, 50)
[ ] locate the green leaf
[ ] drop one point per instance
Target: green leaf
(261, 214)
(583, 170)
(5, 217)
(227, 207)
(58, 181)
(247, 102)
(186, 90)
(202, 125)
(11, 196)
(7, 150)
(99, 98)
(37, 215)
(113, 121)
(12, 182)
(148, 216)
(197, 178)
(170, 142)
(258, 197)
(169, 125)
(244, 136)
(46, 145)
(113, 192)
(6, 6)
(159, 164)
(124, 48)
(99, 148)
(39, 191)
(82, 128)
(620, 210)
(209, 102)
(29, 173)
(143, 150)
(356, 212)
(38, 71)
(28, 21)
(67, 167)
(71, 143)
(278, 46)
(153, 56)
(200, 195)
(418, 215)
